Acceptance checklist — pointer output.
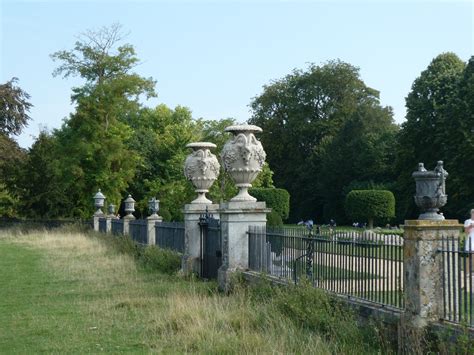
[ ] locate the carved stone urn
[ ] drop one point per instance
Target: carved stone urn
(430, 191)
(202, 169)
(243, 158)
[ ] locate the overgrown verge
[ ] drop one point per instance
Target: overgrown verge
(149, 256)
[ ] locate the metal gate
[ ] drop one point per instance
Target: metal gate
(211, 246)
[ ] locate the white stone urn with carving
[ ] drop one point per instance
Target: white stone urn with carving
(202, 169)
(243, 157)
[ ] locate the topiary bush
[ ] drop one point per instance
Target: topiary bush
(370, 204)
(277, 199)
(274, 219)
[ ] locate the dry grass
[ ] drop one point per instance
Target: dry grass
(97, 299)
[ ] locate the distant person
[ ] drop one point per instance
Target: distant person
(469, 229)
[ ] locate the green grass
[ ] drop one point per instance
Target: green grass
(66, 292)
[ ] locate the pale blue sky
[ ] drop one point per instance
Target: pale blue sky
(214, 56)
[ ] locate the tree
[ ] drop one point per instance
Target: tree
(14, 108)
(370, 204)
(301, 115)
(430, 128)
(362, 151)
(44, 191)
(95, 137)
(160, 138)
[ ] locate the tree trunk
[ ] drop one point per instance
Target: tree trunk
(371, 223)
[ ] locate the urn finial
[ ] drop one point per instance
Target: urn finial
(243, 158)
(430, 191)
(202, 169)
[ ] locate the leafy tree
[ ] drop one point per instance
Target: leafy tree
(370, 204)
(430, 128)
(95, 137)
(43, 190)
(160, 138)
(363, 150)
(14, 108)
(301, 115)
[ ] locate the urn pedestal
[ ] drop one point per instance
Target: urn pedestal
(243, 157)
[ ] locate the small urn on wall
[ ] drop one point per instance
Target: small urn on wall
(243, 158)
(430, 191)
(202, 169)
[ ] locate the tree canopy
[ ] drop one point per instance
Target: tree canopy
(323, 128)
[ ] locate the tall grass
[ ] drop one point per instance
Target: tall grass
(104, 295)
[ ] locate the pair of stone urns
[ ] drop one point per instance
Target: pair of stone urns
(243, 158)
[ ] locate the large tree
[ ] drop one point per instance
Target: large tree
(95, 153)
(301, 115)
(14, 109)
(431, 129)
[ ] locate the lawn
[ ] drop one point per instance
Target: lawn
(67, 292)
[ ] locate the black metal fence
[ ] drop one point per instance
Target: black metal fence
(363, 265)
(117, 226)
(138, 229)
(458, 280)
(170, 235)
(102, 225)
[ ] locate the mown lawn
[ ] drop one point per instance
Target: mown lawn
(66, 292)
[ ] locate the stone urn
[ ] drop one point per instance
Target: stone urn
(202, 169)
(243, 157)
(430, 191)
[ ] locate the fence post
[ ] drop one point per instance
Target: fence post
(423, 279)
(126, 223)
(236, 217)
(109, 218)
(191, 261)
(151, 234)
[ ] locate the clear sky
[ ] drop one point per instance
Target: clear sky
(214, 56)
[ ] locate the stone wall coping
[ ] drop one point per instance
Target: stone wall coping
(200, 207)
(244, 207)
(421, 224)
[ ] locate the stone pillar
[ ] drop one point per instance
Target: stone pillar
(96, 218)
(108, 223)
(236, 217)
(191, 262)
(151, 221)
(126, 223)
(423, 278)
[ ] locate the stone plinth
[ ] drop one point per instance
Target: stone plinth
(98, 215)
(423, 276)
(191, 262)
(108, 222)
(126, 223)
(151, 221)
(236, 217)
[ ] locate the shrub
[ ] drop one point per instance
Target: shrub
(277, 199)
(370, 204)
(274, 219)
(166, 261)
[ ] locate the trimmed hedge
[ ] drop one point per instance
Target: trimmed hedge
(277, 199)
(370, 205)
(274, 219)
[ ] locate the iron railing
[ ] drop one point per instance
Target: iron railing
(138, 230)
(170, 235)
(458, 280)
(117, 226)
(103, 225)
(361, 265)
